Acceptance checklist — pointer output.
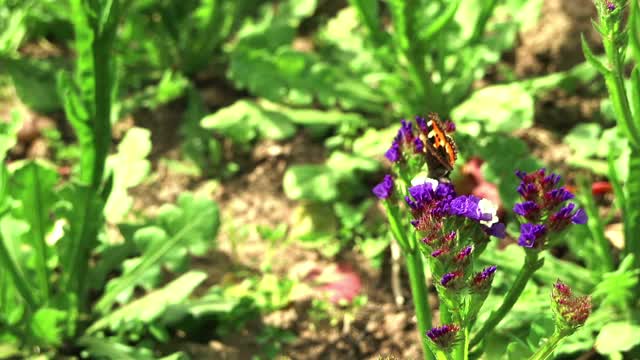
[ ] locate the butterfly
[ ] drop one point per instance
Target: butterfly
(440, 148)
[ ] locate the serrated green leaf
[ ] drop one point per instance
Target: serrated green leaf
(33, 185)
(310, 182)
(617, 337)
(591, 58)
(497, 108)
(47, 326)
(9, 132)
(152, 305)
(34, 81)
(188, 227)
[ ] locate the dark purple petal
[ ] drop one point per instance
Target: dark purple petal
(530, 234)
(498, 230)
(393, 154)
(418, 145)
(527, 209)
(444, 336)
(580, 217)
(482, 280)
(384, 189)
(449, 126)
(422, 123)
(449, 277)
(557, 196)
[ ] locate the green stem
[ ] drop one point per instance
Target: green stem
(420, 299)
(614, 80)
(16, 275)
(531, 264)
(397, 229)
(547, 349)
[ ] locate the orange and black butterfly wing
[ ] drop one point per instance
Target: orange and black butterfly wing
(441, 149)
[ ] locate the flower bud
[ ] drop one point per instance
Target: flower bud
(444, 336)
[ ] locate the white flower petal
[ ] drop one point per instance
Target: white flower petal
(423, 178)
(487, 207)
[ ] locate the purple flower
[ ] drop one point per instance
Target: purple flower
(610, 6)
(422, 123)
(449, 126)
(384, 189)
(438, 252)
(445, 191)
(557, 196)
(528, 209)
(482, 280)
(530, 234)
(467, 206)
(394, 153)
(566, 215)
(448, 278)
(543, 196)
(498, 230)
(580, 217)
(418, 145)
(464, 253)
(444, 336)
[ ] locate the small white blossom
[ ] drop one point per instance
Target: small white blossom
(487, 207)
(423, 178)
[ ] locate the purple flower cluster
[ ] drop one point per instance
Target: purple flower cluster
(406, 140)
(435, 207)
(384, 189)
(444, 336)
(543, 207)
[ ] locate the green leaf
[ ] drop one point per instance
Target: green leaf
(33, 184)
(310, 182)
(129, 166)
(112, 348)
(188, 227)
(582, 138)
(497, 108)
(503, 155)
(591, 58)
(83, 210)
(632, 212)
(617, 337)
(369, 13)
(374, 142)
(34, 81)
(9, 132)
(150, 307)
(440, 22)
(47, 326)
(345, 164)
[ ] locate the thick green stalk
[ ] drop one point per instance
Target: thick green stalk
(397, 229)
(415, 268)
(419, 293)
(547, 349)
(531, 264)
(614, 80)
